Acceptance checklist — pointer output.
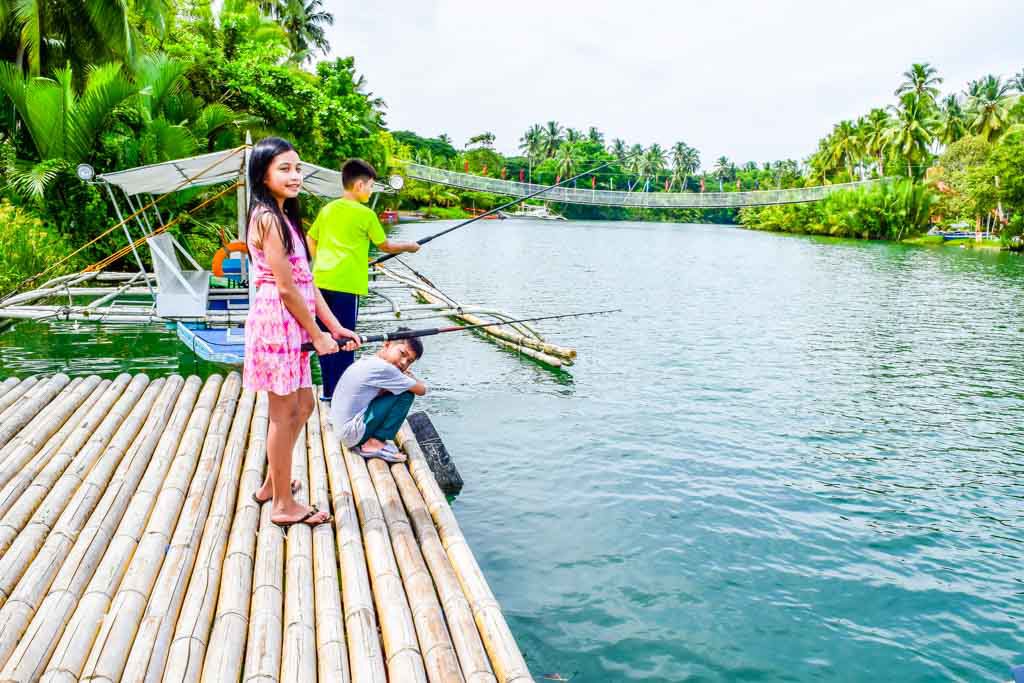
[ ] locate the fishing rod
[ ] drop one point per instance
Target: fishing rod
(497, 209)
(430, 331)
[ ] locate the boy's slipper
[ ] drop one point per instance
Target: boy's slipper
(382, 453)
(296, 487)
(390, 447)
(301, 520)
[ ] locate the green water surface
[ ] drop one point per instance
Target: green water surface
(788, 459)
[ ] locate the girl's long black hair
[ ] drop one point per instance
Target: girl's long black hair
(262, 156)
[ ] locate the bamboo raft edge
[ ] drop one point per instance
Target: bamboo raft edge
(132, 548)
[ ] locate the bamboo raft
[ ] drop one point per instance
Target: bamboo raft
(131, 548)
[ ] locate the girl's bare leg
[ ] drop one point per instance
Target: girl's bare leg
(286, 420)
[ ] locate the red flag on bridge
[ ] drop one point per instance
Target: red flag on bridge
(522, 174)
(593, 182)
(502, 172)
(558, 179)
(701, 184)
(666, 184)
(465, 166)
(484, 172)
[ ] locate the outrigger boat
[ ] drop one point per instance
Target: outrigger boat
(208, 309)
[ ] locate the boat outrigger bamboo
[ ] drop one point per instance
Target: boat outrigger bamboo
(208, 312)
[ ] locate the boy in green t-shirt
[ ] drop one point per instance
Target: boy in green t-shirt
(339, 242)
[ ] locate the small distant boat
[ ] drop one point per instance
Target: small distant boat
(956, 232)
(534, 212)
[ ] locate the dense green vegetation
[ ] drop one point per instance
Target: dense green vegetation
(118, 84)
(961, 156)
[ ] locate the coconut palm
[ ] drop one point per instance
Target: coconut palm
(685, 160)
(654, 161)
(921, 79)
(567, 158)
(635, 164)
(554, 135)
(953, 122)
(989, 107)
(572, 135)
(594, 135)
(913, 130)
(618, 148)
(532, 142)
(724, 169)
(304, 22)
(843, 146)
(1017, 81)
(874, 135)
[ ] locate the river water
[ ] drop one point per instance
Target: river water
(787, 459)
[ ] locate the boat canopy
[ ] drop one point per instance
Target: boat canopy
(212, 169)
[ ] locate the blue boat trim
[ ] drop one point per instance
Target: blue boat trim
(217, 345)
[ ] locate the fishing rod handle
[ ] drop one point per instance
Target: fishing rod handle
(309, 347)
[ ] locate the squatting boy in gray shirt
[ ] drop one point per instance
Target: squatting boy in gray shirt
(374, 396)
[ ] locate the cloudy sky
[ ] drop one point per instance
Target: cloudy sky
(752, 80)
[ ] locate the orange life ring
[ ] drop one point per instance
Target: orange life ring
(218, 259)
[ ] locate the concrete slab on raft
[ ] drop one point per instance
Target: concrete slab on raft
(131, 548)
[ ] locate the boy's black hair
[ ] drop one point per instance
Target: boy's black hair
(356, 169)
(414, 343)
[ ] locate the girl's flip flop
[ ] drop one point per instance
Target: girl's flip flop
(296, 487)
(302, 520)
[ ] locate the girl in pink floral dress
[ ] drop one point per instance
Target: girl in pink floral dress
(282, 316)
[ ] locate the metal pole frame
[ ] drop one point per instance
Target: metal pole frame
(145, 227)
(131, 242)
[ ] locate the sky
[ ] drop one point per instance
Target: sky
(750, 80)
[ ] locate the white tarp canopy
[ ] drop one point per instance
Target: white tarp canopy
(212, 169)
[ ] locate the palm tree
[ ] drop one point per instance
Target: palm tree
(921, 79)
(914, 129)
(553, 138)
(573, 135)
(304, 22)
(63, 125)
(1018, 82)
(989, 107)
(954, 121)
(618, 148)
(78, 32)
(635, 164)
(594, 135)
(685, 161)
(532, 142)
(723, 168)
(567, 159)
(843, 145)
(874, 133)
(654, 161)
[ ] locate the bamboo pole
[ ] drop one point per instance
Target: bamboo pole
(298, 658)
(476, 667)
(15, 393)
(148, 651)
(332, 655)
(77, 599)
(20, 480)
(544, 349)
(506, 658)
(29, 409)
(266, 615)
(23, 493)
(39, 418)
(72, 497)
(188, 646)
(401, 649)
(100, 650)
(225, 654)
(365, 658)
(62, 574)
(439, 657)
(23, 447)
(7, 385)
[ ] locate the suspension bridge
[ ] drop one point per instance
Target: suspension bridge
(652, 200)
